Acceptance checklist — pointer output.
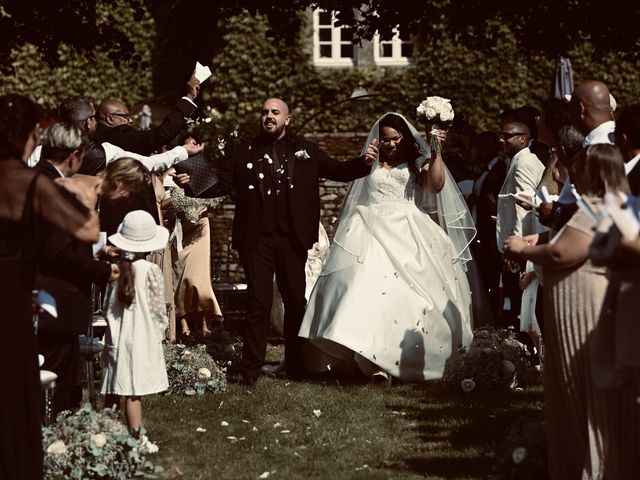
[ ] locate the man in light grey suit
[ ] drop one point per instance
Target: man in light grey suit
(523, 175)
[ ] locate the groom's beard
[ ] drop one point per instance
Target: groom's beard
(268, 130)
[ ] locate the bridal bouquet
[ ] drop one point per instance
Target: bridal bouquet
(437, 112)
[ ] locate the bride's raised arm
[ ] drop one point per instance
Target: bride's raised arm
(432, 173)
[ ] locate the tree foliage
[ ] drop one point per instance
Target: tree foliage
(548, 26)
(80, 24)
(94, 73)
(187, 26)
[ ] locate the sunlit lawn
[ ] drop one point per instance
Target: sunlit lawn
(286, 430)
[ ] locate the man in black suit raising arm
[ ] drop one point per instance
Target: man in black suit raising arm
(275, 180)
(114, 123)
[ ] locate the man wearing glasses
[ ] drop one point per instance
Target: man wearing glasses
(523, 175)
(115, 126)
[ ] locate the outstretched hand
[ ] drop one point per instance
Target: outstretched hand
(372, 152)
(181, 179)
(193, 86)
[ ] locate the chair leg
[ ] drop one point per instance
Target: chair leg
(91, 381)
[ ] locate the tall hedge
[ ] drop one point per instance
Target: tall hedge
(130, 80)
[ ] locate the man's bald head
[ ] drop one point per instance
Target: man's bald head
(590, 105)
(274, 118)
(594, 94)
(113, 112)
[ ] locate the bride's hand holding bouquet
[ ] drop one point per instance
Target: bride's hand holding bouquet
(436, 114)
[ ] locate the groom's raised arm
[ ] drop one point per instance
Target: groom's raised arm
(343, 171)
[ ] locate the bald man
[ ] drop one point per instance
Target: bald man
(591, 112)
(275, 179)
(114, 123)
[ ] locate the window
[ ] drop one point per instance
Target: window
(331, 45)
(391, 52)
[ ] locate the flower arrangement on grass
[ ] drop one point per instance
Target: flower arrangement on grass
(192, 371)
(90, 444)
(495, 359)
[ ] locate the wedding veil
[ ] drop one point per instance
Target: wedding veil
(453, 215)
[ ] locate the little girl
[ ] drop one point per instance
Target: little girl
(137, 318)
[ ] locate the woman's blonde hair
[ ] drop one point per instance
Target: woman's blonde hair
(129, 174)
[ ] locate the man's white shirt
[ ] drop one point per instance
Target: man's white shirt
(159, 162)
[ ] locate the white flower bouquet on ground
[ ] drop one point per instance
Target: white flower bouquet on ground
(90, 444)
(437, 113)
(494, 360)
(192, 371)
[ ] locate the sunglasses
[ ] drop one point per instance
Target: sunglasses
(508, 135)
(123, 115)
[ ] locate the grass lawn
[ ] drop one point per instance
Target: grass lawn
(328, 430)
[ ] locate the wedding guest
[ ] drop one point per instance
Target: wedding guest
(275, 180)
(66, 270)
(115, 123)
(591, 112)
(576, 413)
(121, 183)
(136, 317)
(392, 295)
(28, 200)
(524, 173)
(78, 110)
(484, 202)
(627, 138)
(532, 116)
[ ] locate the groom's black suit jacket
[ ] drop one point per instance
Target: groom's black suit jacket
(241, 171)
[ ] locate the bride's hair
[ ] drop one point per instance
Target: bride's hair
(408, 144)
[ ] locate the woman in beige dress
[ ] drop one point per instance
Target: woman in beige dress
(579, 418)
(615, 356)
(195, 300)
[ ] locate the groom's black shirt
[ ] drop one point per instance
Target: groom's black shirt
(248, 173)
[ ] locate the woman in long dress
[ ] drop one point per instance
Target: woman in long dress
(26, 200)
(581, 421)
(393, 295)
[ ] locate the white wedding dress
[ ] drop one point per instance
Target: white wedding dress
(392, 290)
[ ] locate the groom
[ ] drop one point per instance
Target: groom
(275, 180)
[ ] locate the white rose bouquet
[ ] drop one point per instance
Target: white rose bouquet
(438, 113)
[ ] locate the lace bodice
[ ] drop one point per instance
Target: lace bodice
(393, 186)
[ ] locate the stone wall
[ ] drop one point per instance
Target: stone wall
(225, 265)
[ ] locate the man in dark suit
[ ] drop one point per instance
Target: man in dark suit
(484, 201)
(114, 123)
(67, 270)
(275, 180)
(627, 138)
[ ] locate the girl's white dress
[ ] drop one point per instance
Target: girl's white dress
(133, 358)
(391, 290)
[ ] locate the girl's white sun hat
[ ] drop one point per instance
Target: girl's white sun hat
(138, 232)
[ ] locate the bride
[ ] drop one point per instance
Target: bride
(393, 294)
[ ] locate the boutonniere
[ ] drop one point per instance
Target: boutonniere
(302, 155)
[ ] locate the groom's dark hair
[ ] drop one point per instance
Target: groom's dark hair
(409, 143)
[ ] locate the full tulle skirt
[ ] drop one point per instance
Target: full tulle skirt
(390, 292)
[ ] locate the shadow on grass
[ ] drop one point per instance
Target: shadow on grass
(462, 434)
